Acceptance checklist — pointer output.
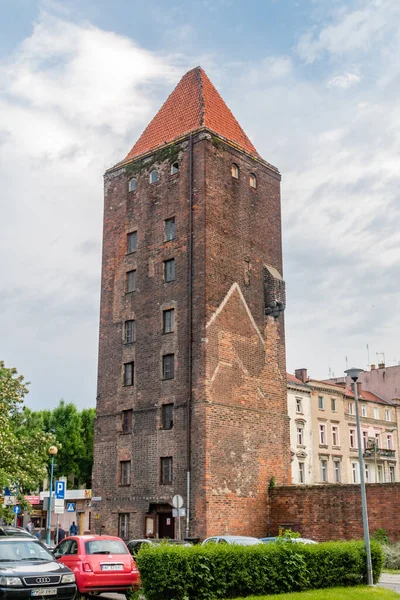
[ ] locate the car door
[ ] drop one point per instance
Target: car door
(71, 558)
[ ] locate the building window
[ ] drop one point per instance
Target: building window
(235, 171)
(333, 404)
(131, 281)
(376, 413)
(174, 168)
(153, 176)
(321, 402)
(324, 470)
(300, 435)
(132, 241)
(299, 405)
(335, 436)
(351, 408)
(352, 434)
(389, 442)
(387, 415)
(366, 473)
(169, 270)
(166, 470)
(365, 439)
(123, 526)
(302, 473)
(125, 477)
(132, 184)
(391, 474)
(168, 320)
(168, 366)
(377, 440)
(128, 373)
(363, 410)
(167, 413)
(127, 421)
(379, 474)
(129, 332)
(322, 434)
(354, 472)
(336, 471)
(253, 181)
(169, 229)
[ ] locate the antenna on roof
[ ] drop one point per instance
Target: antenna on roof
(368, 364)
(347, 361)
(330, 372)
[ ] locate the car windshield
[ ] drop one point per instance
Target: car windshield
(105, 547)
(23, 550)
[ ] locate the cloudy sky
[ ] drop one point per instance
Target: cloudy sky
(315, 84)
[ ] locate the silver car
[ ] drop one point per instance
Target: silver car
(240, 540)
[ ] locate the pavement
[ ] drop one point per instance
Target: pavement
(389, 581)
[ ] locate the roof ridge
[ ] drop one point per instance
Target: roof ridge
(199, 73)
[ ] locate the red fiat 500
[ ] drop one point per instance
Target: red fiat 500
(101, 563)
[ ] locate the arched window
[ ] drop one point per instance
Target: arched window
(253, 181)
(235, 171)
(153, 176)
(174, 168)
(132, 185)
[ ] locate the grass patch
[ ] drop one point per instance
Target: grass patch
(391, 571)
(337, 593)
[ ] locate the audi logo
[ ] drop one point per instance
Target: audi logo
(43, 580)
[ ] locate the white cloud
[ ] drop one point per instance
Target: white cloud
(344, 81)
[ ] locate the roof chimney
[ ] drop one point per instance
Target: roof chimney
(381, 366)
(301, 374)
(373, 367)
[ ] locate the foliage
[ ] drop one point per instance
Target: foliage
(23, 444)
(271, 482)
(391, 553)
(228, 571)
(381, 536)
(170, 153)
(354, 593)
(288, 534)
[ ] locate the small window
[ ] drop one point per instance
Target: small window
(300, 435)
(354, 472)
(321, 402)
(387, 415)
(351, 408)
(169, 270)
(123, 526)
(352, 438)
(322, 434)
(302, 473)
(335, 435)
(379, 474)
(324, 470)
(132, 242)
(168, 320)
(128, 373)
(167, 413)
(127, 421)
(166, 470)
(174, 168)
(170, 229)
(389, 442)
(168, 366)
(391, 475)
(376, 413)
(253, 181)
(131, 281)
(333, 404)
(336, 471)
(363, 410)
(366, 473)
(235, 171)
(365, 439)
(125, 472)
(129, 332)
(132, 184)
(153, 176)
(299, 405)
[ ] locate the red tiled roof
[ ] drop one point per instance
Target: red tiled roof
(364, 395)
(292, 379)
(194, 103)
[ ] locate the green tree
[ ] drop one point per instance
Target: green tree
(23, 448)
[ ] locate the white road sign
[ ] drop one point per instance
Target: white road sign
(177, 501)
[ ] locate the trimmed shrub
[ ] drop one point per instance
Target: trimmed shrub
(228, 571)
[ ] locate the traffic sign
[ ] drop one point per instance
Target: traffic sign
(59, 510)
(70, 506)
(17, 509)
(177, 501)
(10, 500)
(96, 499)
(179, 512)
(60, 489)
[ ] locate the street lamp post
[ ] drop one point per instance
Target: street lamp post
(52, 451)
(354, 374)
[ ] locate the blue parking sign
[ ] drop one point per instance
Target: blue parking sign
(60, 490)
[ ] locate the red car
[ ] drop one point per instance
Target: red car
(101, 563)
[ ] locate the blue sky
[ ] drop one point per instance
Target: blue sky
(315, 84)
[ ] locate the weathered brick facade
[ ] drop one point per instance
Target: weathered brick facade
(229, 389)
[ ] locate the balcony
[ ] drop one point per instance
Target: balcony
(379, 453)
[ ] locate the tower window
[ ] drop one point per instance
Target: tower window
(153, 176)
(167, 411)
(174, 168)
(132, 242)
(168, 320)
(166, 470)
(253, 181)
(131, 281)
(170, 229)
(125, 472)
(130, 332)
(127, 421)
(169, 270)
(128, 373)
(235, 171)
(168, 366)
(132, 184)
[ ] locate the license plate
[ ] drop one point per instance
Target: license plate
(112, 567)
(44, 592)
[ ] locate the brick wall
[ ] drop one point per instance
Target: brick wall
(333, 512)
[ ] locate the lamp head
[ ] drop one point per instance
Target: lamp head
(53, 450)
(354, 373)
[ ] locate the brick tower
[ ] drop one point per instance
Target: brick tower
(192, 379)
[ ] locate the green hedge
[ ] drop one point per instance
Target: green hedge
(208, 572)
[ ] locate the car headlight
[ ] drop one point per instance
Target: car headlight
(68, 578)
(10, 581)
